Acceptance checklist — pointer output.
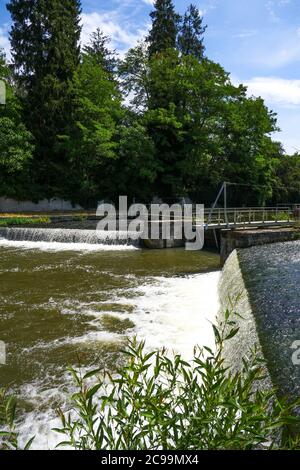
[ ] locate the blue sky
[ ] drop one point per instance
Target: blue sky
(258, 41)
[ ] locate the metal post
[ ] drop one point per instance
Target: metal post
(215, 204)
(225, 203)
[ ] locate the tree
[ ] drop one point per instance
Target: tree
(136, 167)
(190, 39)
(250, 155)
(192, 97)
(134, 73)
(45, 44)
(288, 173)
(206, 131)
(165, 23)
(90, 140)
(16, 142)
(98, 48)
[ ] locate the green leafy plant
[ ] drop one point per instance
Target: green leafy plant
(8, 434)
(157, 402)
(8, 437)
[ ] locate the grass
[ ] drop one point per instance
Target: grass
(23, 221)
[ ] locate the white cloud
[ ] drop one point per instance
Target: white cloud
(246, 33)
(149, 2)
(283, 96)
(122, 33)
(278, 91)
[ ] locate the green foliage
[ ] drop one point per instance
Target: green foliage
(89, 141)
(8, 437)
(134, 73)
(135, 170)
(16, 142)
(99, 50)
(15, 146)
(8, 434)
(45, 44)
(205, 129)
(21, 221)
(190, 39)
(185, 128)
(165, 25)
(156, 402)
(288, 173)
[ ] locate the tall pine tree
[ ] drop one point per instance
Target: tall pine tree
(165, 24)
(190, 39)
(98, 49)
(45, 42)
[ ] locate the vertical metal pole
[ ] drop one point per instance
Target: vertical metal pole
(215, 205)
(225, 202)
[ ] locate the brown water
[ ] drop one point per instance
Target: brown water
(61, 307)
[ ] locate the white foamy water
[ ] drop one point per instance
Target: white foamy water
(175, 313)
(57, 246)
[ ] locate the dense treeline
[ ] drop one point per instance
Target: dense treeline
(79, 123)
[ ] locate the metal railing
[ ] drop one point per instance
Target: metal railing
(250, 216)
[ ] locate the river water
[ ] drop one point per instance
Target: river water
(71, 304)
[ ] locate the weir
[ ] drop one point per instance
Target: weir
(62, 235)
(262, 285)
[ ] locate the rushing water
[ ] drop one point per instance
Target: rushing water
(272, 277)
(63, 235)
(69, 304)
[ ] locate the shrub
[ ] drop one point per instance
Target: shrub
(8, 438)
(8, 435)
(157, 402)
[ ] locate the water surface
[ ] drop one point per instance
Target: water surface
(272, 278)
(64, 304)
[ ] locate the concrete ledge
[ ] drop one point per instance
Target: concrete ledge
(233, 239)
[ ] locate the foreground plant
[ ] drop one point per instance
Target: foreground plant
(8, 437)
(157, 402)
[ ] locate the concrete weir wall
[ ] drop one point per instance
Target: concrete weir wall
(53, 205)
(261, 283)
(234, 239)
(234, 297)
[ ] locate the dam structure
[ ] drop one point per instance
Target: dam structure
(261, 284)
(65, 235)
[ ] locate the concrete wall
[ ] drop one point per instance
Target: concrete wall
(52, 205)
(234, 297)
(233, 239)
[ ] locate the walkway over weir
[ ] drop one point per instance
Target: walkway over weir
(250, 217)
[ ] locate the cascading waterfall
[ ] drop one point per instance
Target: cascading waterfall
(261, 283)
(89, 237)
